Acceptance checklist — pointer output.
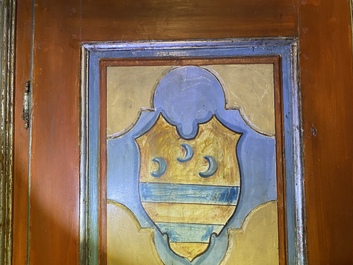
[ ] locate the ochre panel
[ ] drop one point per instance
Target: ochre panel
(188, 249)
(197, 213)
(129, 89)
(172, 156)
(249, 87)
(127, 242)
(260, 229)
(136, 245)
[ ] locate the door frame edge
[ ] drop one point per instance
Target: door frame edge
(7, 47)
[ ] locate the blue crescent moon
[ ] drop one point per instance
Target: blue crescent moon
(212, 167)
(162, 167)
(189, 153)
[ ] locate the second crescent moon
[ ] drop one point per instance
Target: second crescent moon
(189, 153)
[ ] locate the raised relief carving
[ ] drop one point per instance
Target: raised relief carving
(191, 169)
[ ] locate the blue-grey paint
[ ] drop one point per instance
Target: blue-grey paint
(197, 233)
(189, 153)
(199, 91)
(188, 193)
(212, 167)
(162, 167)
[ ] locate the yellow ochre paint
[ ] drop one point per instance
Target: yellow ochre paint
(256, 243)
(190, 213)
(213, 139)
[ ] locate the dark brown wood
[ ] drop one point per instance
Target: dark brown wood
(327, 82)
(180, 19)
(21, 135)
(54, 220)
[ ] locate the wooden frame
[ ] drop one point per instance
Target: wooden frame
(95, 59)
(7, 31)
(323, 29)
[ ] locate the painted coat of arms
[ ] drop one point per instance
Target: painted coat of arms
(189, 188)
(189, 169)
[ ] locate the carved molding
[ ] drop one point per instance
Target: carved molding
(94, 53)
(7, 32)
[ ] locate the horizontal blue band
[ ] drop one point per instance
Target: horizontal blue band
(188, 193)
(196, 233)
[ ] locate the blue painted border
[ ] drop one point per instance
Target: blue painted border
(92, 53)
(188, 193)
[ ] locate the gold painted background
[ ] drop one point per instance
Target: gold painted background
(248, 87)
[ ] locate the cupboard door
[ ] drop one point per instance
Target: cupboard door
(47, 178)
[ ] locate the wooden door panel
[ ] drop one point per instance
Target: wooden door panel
(21, 135)
(59, 29)
(323, 28)
(326, 81)
(171, 20)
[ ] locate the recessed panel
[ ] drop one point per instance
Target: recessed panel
(191, 161)
(190, 153)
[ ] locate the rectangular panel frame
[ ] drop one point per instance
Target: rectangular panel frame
(92, 56)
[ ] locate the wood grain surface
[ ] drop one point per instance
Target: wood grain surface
(326, 83)
(21, 135)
